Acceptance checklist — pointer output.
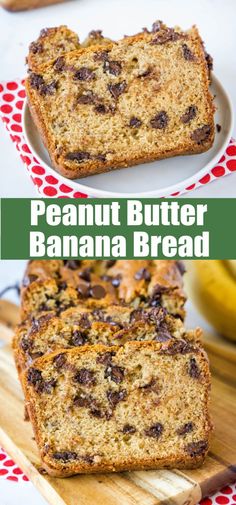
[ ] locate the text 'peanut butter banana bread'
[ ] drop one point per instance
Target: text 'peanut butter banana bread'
(143, 98)
(56, 285)
(142, 405)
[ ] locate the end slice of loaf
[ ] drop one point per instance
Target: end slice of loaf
(51, 43)
(141, 99)
(57, 285)
(99, 408)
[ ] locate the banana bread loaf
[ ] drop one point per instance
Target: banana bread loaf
(143, 98)
(80, 326)
(138, 406)
(56, 285)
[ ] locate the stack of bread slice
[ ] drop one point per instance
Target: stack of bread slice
(112, 379)
(104, 105)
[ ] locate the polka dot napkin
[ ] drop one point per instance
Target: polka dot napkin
(10, 471)
(12, 96)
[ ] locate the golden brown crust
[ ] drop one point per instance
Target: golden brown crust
(180, 460)
(126, 281)
(119, 159)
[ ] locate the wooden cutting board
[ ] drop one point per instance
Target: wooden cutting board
(130, 488)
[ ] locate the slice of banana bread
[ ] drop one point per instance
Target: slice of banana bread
(143, 98)
(142, 405)
(80, 326)
(51, 43)
(56, 285)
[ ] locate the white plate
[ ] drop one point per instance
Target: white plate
(156, 179)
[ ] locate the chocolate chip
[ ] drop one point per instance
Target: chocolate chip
(65, 456)
(194, 371)
(154, 431)
(115, 397)
(96, 413)
(135, 122)
(112, 67)
(101, 157)
(156, 295)
(100, 56)
(187, 53)
(44, 32)
(36, 47)
(189, 114)
(196, 448)
(36, 81)
(117, 89)
(73, 264)
(143, 273)
(209, 61)
(200, 135)
(152, 385)
(160, 120)
(84, 321)
(218, 128)
(78, 156)
(101, 109)
(85, 274)
(168, 35)
(105, 358)
(62, 286)
(128, 429)
(83, 290)
(145, 73)
(78, 338)
(59, 361)
(86, 98)
(186, 428)
(49, 89)
(59, 64)
(110, 263)
(25, 344)
(156, 26)
(115, 373)
(95, 34)
(28, 279)
(35, 378)
(163, 336)
(85, 376)
(82, 399)
(84, 74)
(116, 281)
(97, 292)
(178, 347)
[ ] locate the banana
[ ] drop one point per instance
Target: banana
(231, 264)
(213, 287)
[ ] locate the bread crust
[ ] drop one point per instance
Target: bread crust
(164, 273)
(119, 160)
(57, 469)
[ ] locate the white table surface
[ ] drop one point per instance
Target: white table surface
(215, 19)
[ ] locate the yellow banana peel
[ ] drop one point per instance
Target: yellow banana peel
(213, 288)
